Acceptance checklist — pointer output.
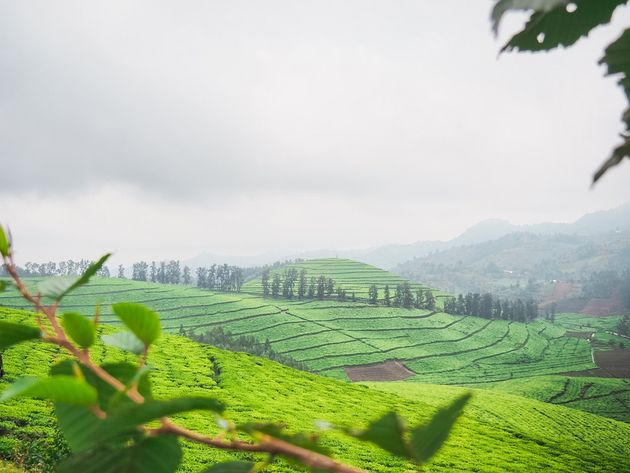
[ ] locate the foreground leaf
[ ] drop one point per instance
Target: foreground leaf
(141, 320)
(617, 61)
(58, 287)
(123, 421)
(78, 425)
(11, 334)
(80, 329)
(126, 341)
(3, 285)
(57, 389)
(149, 455)
(552, 24)
(231, 467)
(426, 440)
(387, 432)
(503, 6)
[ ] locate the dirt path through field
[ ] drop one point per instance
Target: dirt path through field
(392, 370)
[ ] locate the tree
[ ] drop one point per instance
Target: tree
(623, 327)
(386, 296)
(321, 287)
(121, 271)
(275, 285)
(153, 272)
(330, 286)
(430, 301)
(311, 287)
(265, 282)
(302, 284)
(186, 278)
(201, 277)
(373, 294)
(554, 23)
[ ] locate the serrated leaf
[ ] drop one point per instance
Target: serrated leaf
(231, 467)
(141, 320)
(4, 243)
(57, 389)
(126, 341)
(11, 334)
(58, 287)
(548, 29)
(617, 61)
(124, 420)
(388, 433)
(161, 454)
(503, 6)
(80, 329)
(427, 439)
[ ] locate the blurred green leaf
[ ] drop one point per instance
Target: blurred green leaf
(3, 286)
(57, 389)
(58, 287)
(124, 371)
(552, 24)
(11, 333)
(123, 421)
(78, 425)
(141, 320)
(80, 329)
(126, 341)
(427, 439)
(231, 467)
(388, 433)
(4, 243)
(149, 455)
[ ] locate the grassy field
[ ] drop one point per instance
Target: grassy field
(328, 336)
(604, 329)
(497, 433)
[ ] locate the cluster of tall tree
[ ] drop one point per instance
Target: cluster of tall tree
(623, 327)
(484, 305)
(221, 338)
(404, 296)
(61, 268)
(293, 283)
(220, 277)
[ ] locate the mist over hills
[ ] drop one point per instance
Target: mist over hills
(392, 255)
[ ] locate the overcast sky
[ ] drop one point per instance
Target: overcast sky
(166, 129)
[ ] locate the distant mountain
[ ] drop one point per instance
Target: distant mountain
(389, 256)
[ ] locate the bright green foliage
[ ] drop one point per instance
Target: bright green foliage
(126, 341)
(65, 389)
(3, 285)
(142, 321)
(58, 287)
(11, 333)
(79, 328)
(4, 243)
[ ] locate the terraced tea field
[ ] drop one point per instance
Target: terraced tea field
(604, 396)
(498, 432)
(331, 336)
(353, 276)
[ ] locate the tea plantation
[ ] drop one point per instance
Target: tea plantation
(498, 432)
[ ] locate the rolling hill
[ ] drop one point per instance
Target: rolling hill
(498, 432)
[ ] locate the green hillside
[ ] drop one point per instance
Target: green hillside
(497, 433)
(328, 336)
(353, 276)
(608, 397)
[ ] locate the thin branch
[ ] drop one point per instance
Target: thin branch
(268, 444)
